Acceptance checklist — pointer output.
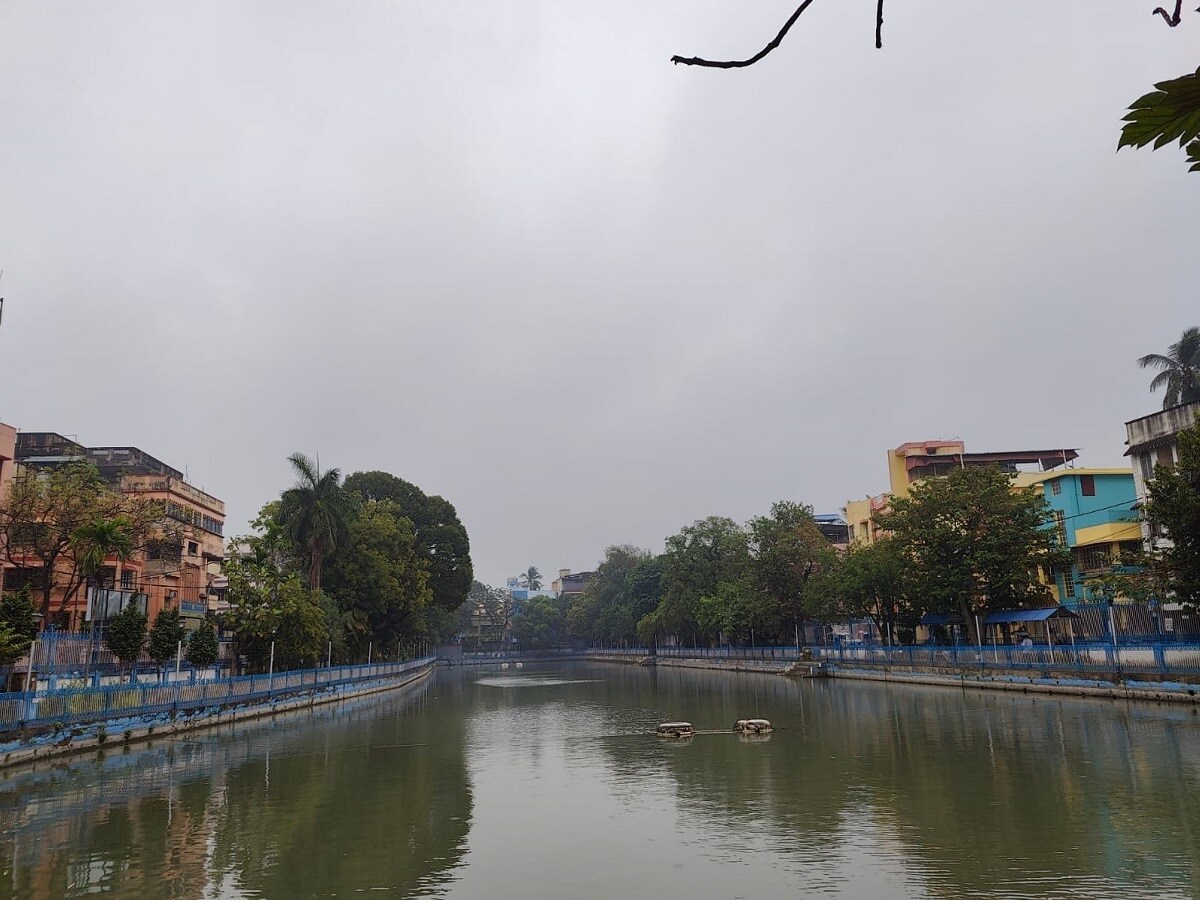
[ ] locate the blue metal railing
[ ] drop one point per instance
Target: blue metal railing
(75, 705)
(1158, 659)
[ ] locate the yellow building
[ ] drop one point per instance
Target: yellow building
(917, 460)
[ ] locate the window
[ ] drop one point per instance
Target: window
(1147, 462)
(1068, 583)
(1092, 559)
(162, 550)
(127, 579)
(1060, 524)
(1087, 485)
(193, 548)
(15, 579)
(1166, 457)
(1056, 486)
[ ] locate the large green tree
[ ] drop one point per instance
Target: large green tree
(868, 582)
(1178, 369)
(538, 624)
(698, 559)
(269, 606)
(441, 538)
(315, 513)
(787, 551)
(379, 579)
(1174, 508)
(625, 587)
(972, 544)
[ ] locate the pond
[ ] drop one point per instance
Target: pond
(547, 781)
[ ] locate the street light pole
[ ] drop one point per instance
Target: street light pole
(271, 671)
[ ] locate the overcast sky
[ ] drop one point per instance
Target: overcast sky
(507, 251)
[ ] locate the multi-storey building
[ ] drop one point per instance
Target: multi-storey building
(568, 585)
(180, 567)
(1095, 514)
(917, 460)
(1152, 442)
(835, 530)
(8, 453)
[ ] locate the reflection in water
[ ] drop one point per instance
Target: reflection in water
(369, 793)
(550, 781)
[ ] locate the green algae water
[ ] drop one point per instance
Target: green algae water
(547, 782)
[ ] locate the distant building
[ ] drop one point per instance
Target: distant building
(1095, 513)
(567, 585)
(835, 529)
(1152, 440)
(917, 460)
(182, 569)
(8, 453)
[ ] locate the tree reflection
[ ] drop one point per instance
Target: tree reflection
(251, 811)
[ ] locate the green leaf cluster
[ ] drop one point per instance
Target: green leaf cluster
(1171, 112)
(202, 648)
(1174, 509)
(18, 625)
(625, 588)
(166, 636)
(125, 633)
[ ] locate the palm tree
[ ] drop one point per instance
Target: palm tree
(533, 578)
(315, 513)
(99, 539)
(94, 542)
(1179, 370)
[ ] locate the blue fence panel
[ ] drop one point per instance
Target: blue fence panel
(1094, 657)
(75, 705)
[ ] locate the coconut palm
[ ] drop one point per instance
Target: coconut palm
(99, 539)
(1179, 370)
(533, 578)
(315, 513)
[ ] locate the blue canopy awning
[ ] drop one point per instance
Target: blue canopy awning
(1029, 615)
(942, 618)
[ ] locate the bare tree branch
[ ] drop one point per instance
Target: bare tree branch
(1169, 19)
(879, 25)
(742, 63)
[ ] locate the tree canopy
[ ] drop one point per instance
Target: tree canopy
(441, 539)
(1174, 508)
(125, 633)
(166, 636)
(972, 544)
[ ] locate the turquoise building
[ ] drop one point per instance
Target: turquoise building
(1095, 512)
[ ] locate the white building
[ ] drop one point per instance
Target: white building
(1152, 441)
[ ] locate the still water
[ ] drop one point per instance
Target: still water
(544, 782)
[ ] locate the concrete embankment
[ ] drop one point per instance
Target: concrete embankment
(1112, 689)
(118, 732)
(1064, 684)
(770, 666)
